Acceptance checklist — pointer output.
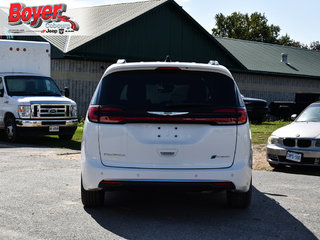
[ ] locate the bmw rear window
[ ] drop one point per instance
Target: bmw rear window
(164, 90)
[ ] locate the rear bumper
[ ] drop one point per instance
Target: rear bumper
(96, 176)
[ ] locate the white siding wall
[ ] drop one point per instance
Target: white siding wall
(80, 76)
(274, 88)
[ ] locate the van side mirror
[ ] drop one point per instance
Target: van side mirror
(66, 92)
(1, 92)
(293, 117)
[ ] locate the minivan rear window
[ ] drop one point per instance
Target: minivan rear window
(162, 90)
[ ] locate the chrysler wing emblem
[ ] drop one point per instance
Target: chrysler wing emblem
(169, 113)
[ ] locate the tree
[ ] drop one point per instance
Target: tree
(287, 41)
(242, 26)
(315, 45)
(254, 28)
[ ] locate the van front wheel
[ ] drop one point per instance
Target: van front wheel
(10, 129)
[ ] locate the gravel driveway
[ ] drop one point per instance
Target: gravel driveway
(40, 199)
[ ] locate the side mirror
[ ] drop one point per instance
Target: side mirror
(66, 92)
(1, 92)
(293, 117)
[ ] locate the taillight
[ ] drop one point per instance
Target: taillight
(117, 115)
(236, 116)
(102, 114)
(243, 116)
(93, 114)
(106, 115)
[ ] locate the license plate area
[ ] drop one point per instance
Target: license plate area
(292, 156)
(53, 128)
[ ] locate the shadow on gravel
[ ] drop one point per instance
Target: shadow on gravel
(44, 141)
(195, 216)
(302, 170)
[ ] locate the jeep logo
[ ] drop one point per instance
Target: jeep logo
(52, 110)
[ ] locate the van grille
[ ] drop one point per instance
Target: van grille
(49, 111)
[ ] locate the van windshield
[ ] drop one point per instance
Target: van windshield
(31, 86)
(167, 90)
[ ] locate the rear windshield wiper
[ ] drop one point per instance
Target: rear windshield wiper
(188, 105)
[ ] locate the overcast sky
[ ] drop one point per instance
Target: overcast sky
(299, 19)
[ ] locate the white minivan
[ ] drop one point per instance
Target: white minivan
(166, 125)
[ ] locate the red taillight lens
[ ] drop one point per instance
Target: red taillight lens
(101, 114)
(243, 116)
(93, 114)
(106, 115)
(116, 115)
(237, 116)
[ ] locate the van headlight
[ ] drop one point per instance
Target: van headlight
(274, 140)
(24, 111)
(74, 111)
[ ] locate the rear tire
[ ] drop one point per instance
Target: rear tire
(92, 198)
(66, 137)
(239, 199)
(11, 129)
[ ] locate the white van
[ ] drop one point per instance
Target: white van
(30, 101)
(166, 125)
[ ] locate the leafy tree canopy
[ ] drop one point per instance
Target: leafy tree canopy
(315, 45)
(254, 28)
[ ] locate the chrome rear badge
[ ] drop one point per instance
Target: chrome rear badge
(169, 113)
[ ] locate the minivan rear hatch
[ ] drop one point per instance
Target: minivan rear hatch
(167, 119)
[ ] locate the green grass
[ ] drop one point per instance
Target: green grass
(261, 132)
(53, 140)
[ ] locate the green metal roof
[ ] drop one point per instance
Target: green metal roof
(97, 20)
(266, 58)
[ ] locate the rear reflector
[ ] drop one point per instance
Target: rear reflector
(115, 115)
(223, 183)
(111, 182)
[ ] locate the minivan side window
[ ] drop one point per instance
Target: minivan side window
(1, 88)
